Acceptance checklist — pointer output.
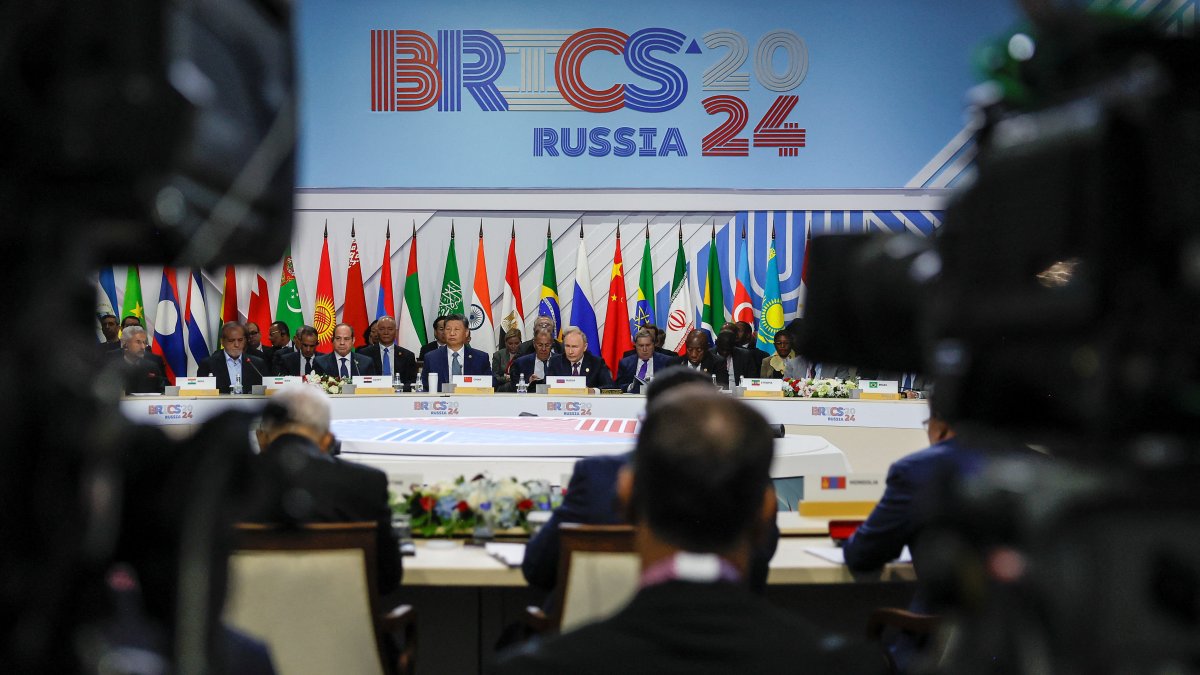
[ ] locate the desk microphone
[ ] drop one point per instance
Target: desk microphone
(251, 363)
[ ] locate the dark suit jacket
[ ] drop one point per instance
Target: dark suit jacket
(253, 370)
(591, 499)
(426, 348)
(335, 491)
(403, 361)
(591, 366)
(146, 376)
(627, 371)
(694, 628)
(475, 362)
(277, 356)
(710, 364)
(900, 516)
(289, 364)
(744, 365)
(356, 363)
(523, 365)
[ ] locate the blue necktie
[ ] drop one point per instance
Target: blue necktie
(345, 371)
(387, 360)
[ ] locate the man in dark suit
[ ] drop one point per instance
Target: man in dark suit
(591, 498)
(748, 339)
(439, 339)
(303, 362)
(532, 367)
(700, 498)
(698, 356)
(455, 357)
(141, 370)
(576, 360)
(230, 364)
(635, 370)
(254, 345)
(279, 337)
(303, 483)
(343, 362)
(112, 334)
(541, 323)
(899, 519)
(734, 360)
(388, 357)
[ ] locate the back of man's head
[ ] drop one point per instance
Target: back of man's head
(700, 470)
(670, 378)
(298, 409)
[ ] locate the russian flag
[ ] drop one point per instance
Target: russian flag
(168, 328)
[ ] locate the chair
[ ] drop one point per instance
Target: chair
(895, 619)
(597, 575)
(310, 592)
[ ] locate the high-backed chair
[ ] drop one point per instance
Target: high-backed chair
(310, 593)
(597, 575)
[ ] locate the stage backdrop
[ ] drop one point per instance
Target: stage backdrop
(628, 93)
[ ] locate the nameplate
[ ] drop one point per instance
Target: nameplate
(567, 382)
(197, 386)
(276, 382)
(761, 387)
(879, 387)
(462, 383)
(381, 381)
(850, 495)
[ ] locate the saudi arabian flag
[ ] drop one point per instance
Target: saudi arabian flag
(288, 308)
(133, 305)
(451, 301)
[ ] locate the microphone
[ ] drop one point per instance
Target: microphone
(353, 365)
(246, 359)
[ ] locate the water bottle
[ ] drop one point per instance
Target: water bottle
(522, 386)
(419, 385)
(397, 385)
(714, 379)
(237, 386)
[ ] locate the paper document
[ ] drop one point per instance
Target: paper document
(509, 554)
(834, 554)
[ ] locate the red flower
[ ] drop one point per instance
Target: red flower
(427, 503)
(525, 505)
(463, 507)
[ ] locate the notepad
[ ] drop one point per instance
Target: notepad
(509, 554)
(835, 555)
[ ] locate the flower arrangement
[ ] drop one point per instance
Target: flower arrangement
(818, 388)
(452, 507)
(326, 383)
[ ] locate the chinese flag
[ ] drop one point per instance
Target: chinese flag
(616, 321)
(324, 312)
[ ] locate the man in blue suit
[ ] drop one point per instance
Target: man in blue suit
(342, 361)
(577, 361)
(591, 499)
(899, 518)
(532, 367)
(455, 357)
(635, 370)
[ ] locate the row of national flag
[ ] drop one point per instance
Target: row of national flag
(183, 335)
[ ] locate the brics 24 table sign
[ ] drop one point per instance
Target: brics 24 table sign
(173, 411)
(834, 413)
(436, 407)
(410, 71)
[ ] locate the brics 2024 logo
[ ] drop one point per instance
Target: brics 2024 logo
(834, 413)
(411, 71)
(436, 407)
(570, 408)
(173, 411)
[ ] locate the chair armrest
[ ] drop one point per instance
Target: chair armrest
(894, 617)
(536, 620)
(401, 622)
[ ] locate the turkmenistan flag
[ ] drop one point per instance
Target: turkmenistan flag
(712, 316)
(548, 302)
(288, 309)
(133, 306)
(451, 299)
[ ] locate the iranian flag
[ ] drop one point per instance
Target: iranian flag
(680, 318)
